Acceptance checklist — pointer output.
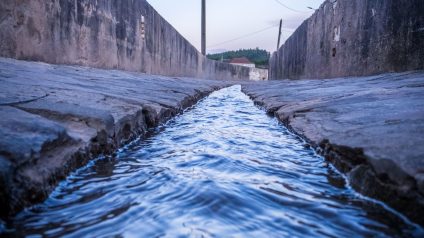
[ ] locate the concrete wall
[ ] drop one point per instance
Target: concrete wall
(354, 38)
(103, 34)
(258, 74)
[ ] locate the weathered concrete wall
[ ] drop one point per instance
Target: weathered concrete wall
(258, 74)
(103, 34)
(354, 38)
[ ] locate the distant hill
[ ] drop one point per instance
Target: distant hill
(257, 56)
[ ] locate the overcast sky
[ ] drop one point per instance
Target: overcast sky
(231, 19)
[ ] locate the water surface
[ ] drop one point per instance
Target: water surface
(221, 169)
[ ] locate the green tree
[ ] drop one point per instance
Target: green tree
(257, 56)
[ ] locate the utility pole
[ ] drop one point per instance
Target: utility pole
(204, 27)
(279, 34)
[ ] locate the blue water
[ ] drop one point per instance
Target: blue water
(221, 169)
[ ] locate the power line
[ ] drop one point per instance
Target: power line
(244, 36)
(250, 34)
(285, 6)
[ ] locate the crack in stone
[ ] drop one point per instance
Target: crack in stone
(23, 102)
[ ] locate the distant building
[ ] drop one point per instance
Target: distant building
(243, 62)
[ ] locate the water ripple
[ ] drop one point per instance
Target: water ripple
(222, 169)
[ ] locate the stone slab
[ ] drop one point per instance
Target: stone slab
(377, 121)
(38, 131)
(56, 118)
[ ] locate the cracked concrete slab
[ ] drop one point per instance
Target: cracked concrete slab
(376, 120)
(56, 118)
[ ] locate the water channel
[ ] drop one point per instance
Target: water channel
(221, 169)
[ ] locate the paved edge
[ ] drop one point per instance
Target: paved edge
(360, 173)
(63, 155)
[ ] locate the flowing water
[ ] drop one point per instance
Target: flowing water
(222, 169)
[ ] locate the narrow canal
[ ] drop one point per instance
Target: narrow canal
(222, 169)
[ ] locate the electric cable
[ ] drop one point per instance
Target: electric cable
(287, 7)
(243, 36)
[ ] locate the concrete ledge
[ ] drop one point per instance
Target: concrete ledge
(370, 128)
(56, 118)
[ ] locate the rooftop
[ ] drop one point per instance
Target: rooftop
(242, 60)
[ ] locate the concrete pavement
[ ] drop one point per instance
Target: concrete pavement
(55, 118)
(370, 128)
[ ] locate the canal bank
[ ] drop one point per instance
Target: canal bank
(370, 128)
(55, 118)
(223, 168)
